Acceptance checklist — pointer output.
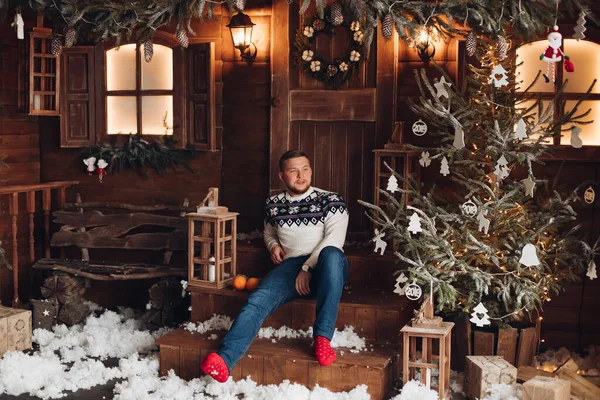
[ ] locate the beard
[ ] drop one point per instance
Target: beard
(296, 191)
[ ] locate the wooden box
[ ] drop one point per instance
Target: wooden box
(15, 329)
(546, 388)
(484, 371)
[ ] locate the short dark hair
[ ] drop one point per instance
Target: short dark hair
(290, 154)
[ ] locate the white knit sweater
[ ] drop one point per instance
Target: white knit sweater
(306, 224)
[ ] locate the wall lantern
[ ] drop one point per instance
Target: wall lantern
(241, 33)
(424, 45)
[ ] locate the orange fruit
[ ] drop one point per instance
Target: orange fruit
(251, 284)
(239, 282)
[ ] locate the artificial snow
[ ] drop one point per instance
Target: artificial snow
(416, 390)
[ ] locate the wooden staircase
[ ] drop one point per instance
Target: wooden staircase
(367, 304)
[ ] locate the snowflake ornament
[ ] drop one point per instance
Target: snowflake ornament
(475, 316)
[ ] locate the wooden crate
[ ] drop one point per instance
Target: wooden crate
(15, 329)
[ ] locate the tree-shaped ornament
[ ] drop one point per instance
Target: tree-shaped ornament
(589, 196)
(554, 54)
(591, 272)
(459, 137)
(575, 139)
(580, 27)
(498, 76)
(529, 256)
(380, 244)
(480, 316)
(414, 225)
(445, 169)
(442, 88)
(502, 170)
(400, 287)
(425, 160)
(392, 185)
(521, 132)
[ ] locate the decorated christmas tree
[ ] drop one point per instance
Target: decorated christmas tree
(497, 233)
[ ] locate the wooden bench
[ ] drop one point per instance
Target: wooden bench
(128, 242)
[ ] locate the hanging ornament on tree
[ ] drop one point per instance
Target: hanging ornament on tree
(502, 170)
(529, 186)
(89, 162)
(414, 225)
(469, 209)
(387, 26)
(425, 160)
(392, 185)
(575, 139)
(580, 27)
(459, 137)
(484, 223)
(480, 316)
(380, 244)
(148, 50)
(101, 169)
(554, 54)
(498, 76)
(521, 132)
(401, 284)
(591, 272)
(444, 169)
(70, 37)
(589, 196)
(413, 291)
(442, 88)
(337, 18)
(56, 45)
(502, 47)
(529, 256)
(419, 128)
(18, 22)
(182, 36)
(471, 44)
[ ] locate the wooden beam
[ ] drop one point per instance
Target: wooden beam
(331, 105)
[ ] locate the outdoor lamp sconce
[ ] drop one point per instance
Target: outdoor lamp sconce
(425, 48)
(241, 33)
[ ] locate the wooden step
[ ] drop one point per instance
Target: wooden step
(376, 316)
(271, 363)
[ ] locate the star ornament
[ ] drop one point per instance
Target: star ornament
(442, 88)
(529, 186)
(46, 313)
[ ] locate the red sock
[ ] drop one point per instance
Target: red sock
(323, 351)
(215, 366)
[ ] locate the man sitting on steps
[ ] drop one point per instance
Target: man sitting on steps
(305, 229)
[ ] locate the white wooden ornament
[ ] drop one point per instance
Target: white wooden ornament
(413, 291)
(419, 128)
(529, 186)
(444, 169)
(502, 170)
(529, 256)
(442, 88)
(46, 313)
(380, 244)
(575, 139)
(589, 196)
(484, 223)
(89, 162)
(425, 160)
(498, 76)
(20, 26)
(468, 208)
(414, 225)
(591, 272)
(392, 185)
(400, 287)
(459, 137)
(484, 319)
(521, 132)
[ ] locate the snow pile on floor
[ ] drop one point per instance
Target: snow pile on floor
(344, 338)
(500, 391)
(416, 390)
(588, 364)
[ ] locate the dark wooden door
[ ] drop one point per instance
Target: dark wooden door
(338, 129)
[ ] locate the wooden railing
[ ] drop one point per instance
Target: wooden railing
(13, 209)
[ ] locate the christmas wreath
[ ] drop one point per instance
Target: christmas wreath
(336, 73)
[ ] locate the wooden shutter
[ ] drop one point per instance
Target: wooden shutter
(200, 97)
(77, 119)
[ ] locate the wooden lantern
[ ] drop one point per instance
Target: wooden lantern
(44, 72)
(211, 263)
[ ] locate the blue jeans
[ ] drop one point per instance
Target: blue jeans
(277, 288)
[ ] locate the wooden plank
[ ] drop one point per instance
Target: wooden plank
(303, 315)
(525, 373)
(331, 105)
(318, 375)
(366, 319)
(189, 363)
(169, 359)
(376, 380)
(579, 385)
(108, 238)
(527, 347)
(36, 187)
(483, 344)
(275, 367)
(297, 371)
(343, 377)
(388, 326)
(507, 344)
(462, 344)
(125, 222)
(252, 366)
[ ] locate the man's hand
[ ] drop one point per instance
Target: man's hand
(277, 254)
(302, 283)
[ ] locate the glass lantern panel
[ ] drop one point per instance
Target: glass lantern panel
(589, 133)
(158, 73)
(121, 115)
(586, 54)
(157, 115)
(528, 66)
(120, 68)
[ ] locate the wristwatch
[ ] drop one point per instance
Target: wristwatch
(307, 268)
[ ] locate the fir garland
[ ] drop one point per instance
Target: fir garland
(333, 74)
(140, 154)
(3, 261)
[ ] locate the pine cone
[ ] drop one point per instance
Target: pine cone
(337, 18)
(70, 37)
(471, 44)
(387, 26)
(318, 24)
(148, 50)
(502, 47)
(239, 4)
(332, 70)
(56, 46)
(183, 38)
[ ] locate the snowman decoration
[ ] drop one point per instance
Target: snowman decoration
(554, 54)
